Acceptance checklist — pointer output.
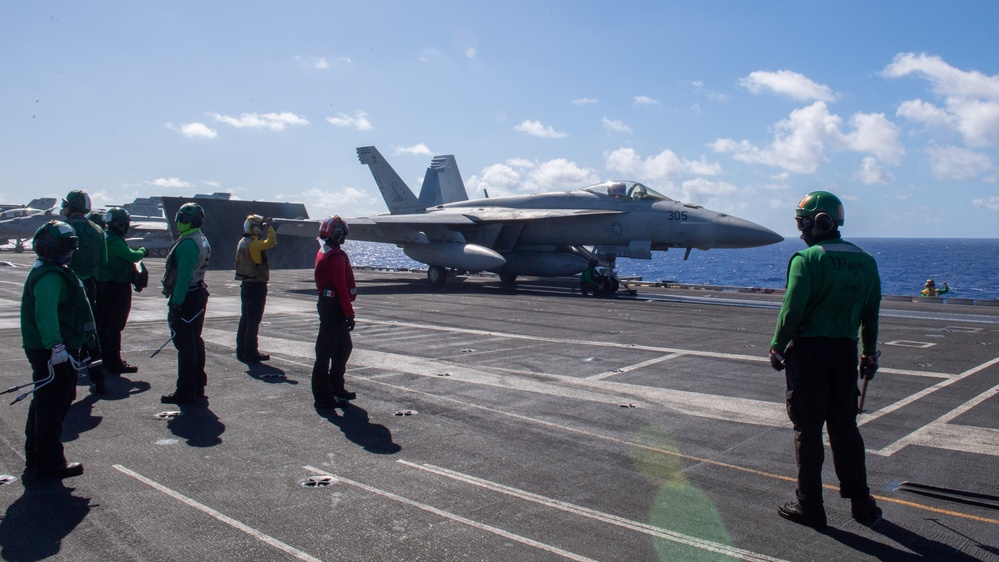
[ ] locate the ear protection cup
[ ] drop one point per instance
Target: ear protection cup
(338, 235)
(822, 223)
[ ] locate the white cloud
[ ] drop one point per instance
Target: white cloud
(615, 126)
(946, 80)
(171, 183)
(584, 101)
(272, 121)
(787, 83)
(195, 130)
(970, 99)
(664, 165)
(644, 100)
(538, 129)
(873, 173)
(416, 149)
(961, 164)
(359, 121)
(992, 203)
(714, 194)
(801, 141)
(521, 176)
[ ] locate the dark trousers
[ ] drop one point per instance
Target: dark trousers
(116, 303)
(253, 298)
(95, 351)
(191, 376)
(333, 347)
(48, 408)
(822, 390)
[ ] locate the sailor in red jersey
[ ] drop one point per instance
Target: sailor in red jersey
(335, 283)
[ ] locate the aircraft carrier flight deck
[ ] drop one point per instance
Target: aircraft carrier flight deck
(498, 423)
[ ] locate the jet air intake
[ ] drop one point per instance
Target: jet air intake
(453, 255)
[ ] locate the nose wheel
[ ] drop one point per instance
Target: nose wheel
(437, 275)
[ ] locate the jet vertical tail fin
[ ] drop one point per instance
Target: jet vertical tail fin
(442, 184)
(398, 197)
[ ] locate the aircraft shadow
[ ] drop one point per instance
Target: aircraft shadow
(35, 524)
(917, 547)
(268, 374)
(355, 425)
(197, 424)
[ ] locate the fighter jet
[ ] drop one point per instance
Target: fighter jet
(544, 234)
(24, 225)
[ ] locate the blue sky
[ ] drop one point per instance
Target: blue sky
(738, 106)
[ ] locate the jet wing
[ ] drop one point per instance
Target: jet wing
(499, 214)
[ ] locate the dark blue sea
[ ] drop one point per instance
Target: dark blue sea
(969, 265)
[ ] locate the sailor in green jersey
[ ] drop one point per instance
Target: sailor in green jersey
(833, 296)
(187, 296)
(56, 322)
(589, 279)
(91, 254)
(114, 289)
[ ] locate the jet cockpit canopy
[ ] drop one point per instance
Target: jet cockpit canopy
(626, 190)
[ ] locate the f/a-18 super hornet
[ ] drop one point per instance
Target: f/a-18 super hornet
(544, 234)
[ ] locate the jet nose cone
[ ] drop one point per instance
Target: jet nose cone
(740, 233)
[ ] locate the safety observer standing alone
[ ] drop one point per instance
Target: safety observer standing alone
(187, 296)
(335, 284)
(833, 294)
(253, 272)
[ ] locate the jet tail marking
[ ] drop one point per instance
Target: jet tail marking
(397, 195)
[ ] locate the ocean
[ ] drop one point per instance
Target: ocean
(969, 265)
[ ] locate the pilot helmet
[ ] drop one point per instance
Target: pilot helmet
(334, 229)
(253, 224)
(191, 215)
(55, 240)
(76, 201)
(820, 209)
(119, 219)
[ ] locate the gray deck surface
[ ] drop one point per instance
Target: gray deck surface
(500, 424)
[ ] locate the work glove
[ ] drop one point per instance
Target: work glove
(869, 366)
(174, 308)
(776, 360)
(350, 324)
(59, 354)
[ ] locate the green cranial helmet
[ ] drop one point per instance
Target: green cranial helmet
(820, 202)
(54, 239)
(97, 218)
(76, 201)
(191, 214)
(118, 218)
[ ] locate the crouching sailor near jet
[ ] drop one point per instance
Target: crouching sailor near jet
(56, 321)
(335, 283)
(253, 270)
(114, 289)
(833, 294)
(590, 280)
(187, 296)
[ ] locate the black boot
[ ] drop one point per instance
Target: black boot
(865, 510)
(792, 511)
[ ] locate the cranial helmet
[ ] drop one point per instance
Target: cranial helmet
(930, 283)
(119, 219)
(76, 201)
(190, 214)
(253, 224)
(97, 218)
(55, 240)
(334, 229)
(821, 210)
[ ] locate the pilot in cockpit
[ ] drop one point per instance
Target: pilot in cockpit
(616, 190)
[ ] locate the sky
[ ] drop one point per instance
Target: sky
(742, 107)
